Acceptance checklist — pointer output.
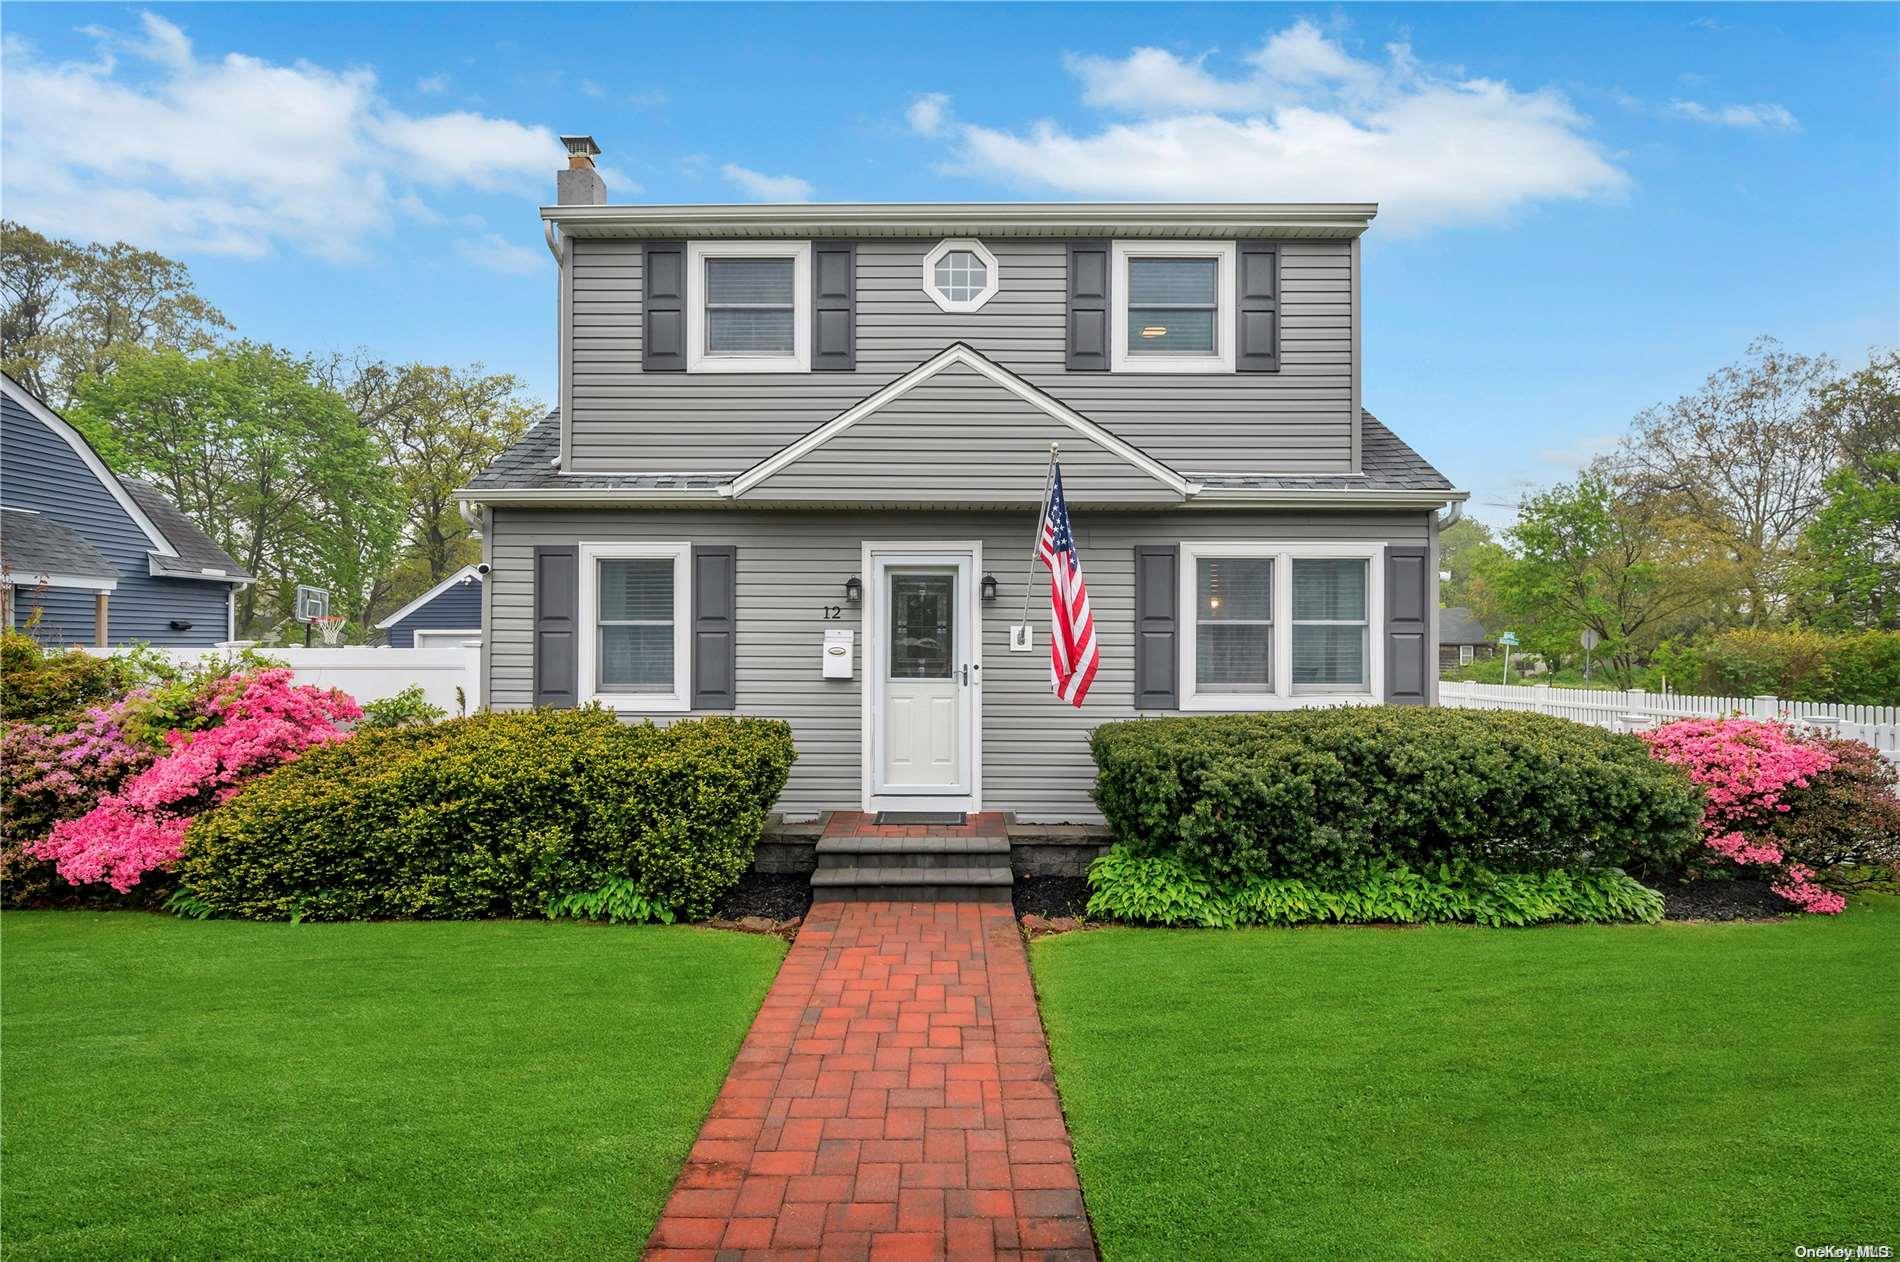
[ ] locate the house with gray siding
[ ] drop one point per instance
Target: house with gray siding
(95, 559)
(800, 451)
(442, 617)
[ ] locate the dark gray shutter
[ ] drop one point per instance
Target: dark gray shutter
(1088, 306)
(834, 306)
(663, 307)
(715, 622)
(1157, 627)
(1408, 626)
(557, 599)
(1258, 294)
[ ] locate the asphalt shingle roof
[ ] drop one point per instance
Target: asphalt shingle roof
(1387, 464)
(33, 544)
(196, 550)
(1457, 626)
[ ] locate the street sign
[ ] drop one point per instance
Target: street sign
(1509, 638)
(1589, 639)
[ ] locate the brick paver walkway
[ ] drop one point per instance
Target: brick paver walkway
(892, 1101)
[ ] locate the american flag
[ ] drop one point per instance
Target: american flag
(1073, 654)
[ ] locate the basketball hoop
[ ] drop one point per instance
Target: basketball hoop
(330, 627)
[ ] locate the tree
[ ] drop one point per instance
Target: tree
(1849, 572)
(1746, 455)
(71, 310)
(269, 461)
(1622, 561)
(1865, 410)
(1468, 550)
(436, 428)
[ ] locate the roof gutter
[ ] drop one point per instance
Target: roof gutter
(546, 495)
(1316, 498)
(1226, 218)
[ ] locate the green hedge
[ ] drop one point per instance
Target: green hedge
(1319, 794)
(1162, 890)
(1852, 668)
(514, 814)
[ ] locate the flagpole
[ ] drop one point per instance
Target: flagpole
(1042, 515)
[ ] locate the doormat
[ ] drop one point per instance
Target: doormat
(921, 817)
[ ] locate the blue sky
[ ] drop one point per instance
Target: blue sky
(1584, 209)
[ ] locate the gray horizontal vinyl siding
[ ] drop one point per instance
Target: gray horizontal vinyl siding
(40, 471)
(1298, 420)
(960, 436)
(791, 565)
(457, 609)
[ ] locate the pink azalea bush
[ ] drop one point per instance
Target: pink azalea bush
(1749, 770)
(255, 722)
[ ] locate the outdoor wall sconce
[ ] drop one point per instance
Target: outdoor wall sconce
(179, 624)
(988, 587)
(853, 589)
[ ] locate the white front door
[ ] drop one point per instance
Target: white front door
(923, 679)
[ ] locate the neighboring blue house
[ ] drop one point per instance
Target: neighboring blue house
(103, 560)
(441, 617)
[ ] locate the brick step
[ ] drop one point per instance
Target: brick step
(955, 846)
(907, 860)
(982, 882)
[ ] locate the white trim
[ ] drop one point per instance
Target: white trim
(434, 634)
(1222, 360)
(698, 359)
(83, 449)
(1283, 697)
(461, 575)
(984, 219)
(204, 574)
(83, 582)
(960, 354)
(680, 699)
(992, 272)
(869, 684)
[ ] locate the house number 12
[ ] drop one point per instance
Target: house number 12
(834, 613)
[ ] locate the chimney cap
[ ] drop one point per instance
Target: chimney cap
(581, 146)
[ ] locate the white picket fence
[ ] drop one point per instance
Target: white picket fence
(1635, 710)
(373, 673)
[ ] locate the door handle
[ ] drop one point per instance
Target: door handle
(966, 675)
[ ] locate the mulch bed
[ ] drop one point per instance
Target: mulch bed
(773, 896)
(1722, 900)
(1051, 897)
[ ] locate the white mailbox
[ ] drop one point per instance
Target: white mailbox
(838, 652)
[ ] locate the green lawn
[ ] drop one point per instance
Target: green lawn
(184, 1089)
(1679, 1091)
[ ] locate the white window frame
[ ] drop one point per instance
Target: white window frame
(698, 359)
(992, 272)
(1282, 554)
(1466, 653)
(1225, 322)
(591, 555)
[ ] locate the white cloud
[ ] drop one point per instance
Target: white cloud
(768, 188)
(498, 254)
(928, 113)
(590, 88)
(648, 99)
(1766, 116)
(235, 155)
(432, 84)
(1307, 121)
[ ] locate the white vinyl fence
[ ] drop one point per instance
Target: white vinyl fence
(1636, 710)
(372, 674)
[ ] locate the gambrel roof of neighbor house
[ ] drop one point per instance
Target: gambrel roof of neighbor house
(1002, 430)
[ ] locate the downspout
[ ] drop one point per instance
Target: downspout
(472, 517)
(1454, 513)
(554, 243)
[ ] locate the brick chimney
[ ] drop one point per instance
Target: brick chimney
(580, 184)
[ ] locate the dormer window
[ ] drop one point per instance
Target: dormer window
(1174, 307)
(960, 275)
(749, 306)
